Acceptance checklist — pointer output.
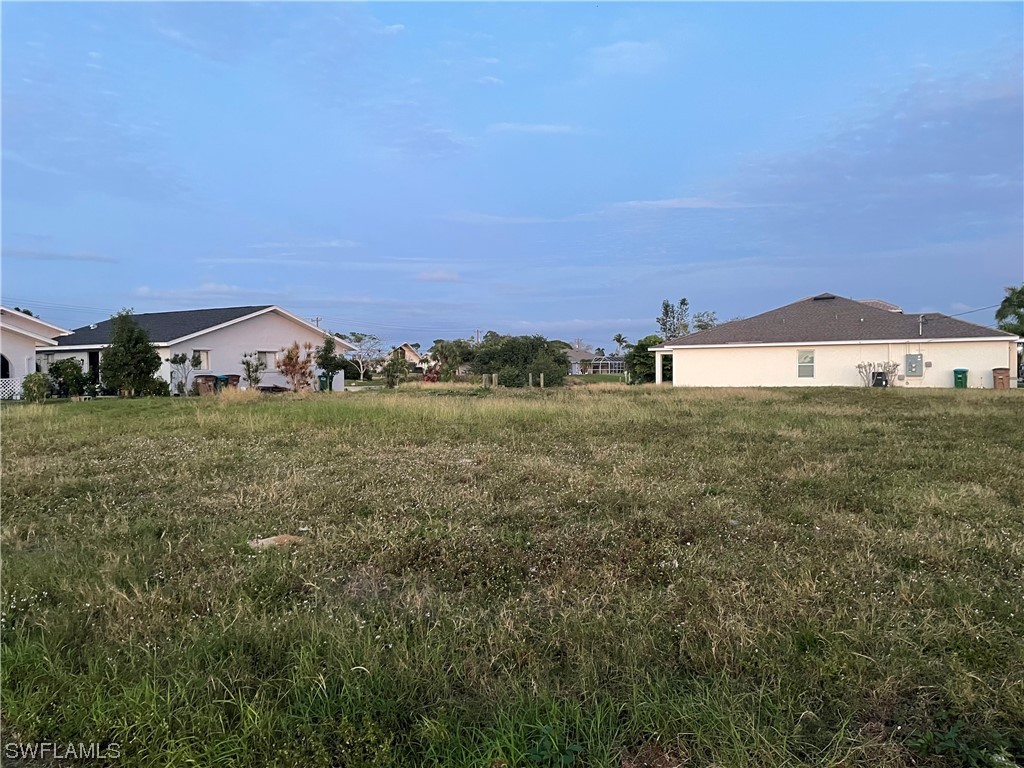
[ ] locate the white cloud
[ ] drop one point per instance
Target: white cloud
(675, 203)
(486, 218)
(392, 29)
(314, 244)
(628, 57)
(28, 255)
(495, 81)
(439, 276)
(204, 292)
(281, 259)
(531, 128)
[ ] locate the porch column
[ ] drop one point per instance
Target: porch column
(657, 367)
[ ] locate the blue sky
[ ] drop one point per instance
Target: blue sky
(426, 170)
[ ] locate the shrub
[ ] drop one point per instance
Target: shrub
(253, 367)
(67, 378)
(296, 365)
(155, 387)
(395, 371)
(640, 361)
(184, 366)
(35, 387)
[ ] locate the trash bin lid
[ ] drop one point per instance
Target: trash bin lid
(222, 377)
(959, 370)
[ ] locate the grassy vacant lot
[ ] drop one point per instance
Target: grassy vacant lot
(598, 576)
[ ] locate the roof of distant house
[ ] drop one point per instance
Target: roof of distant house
(827, 317)
(162, 327)
(881, 304)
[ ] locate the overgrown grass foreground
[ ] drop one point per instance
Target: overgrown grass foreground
(601, 576)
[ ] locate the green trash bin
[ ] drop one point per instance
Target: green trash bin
(326, 384)
(960, 378)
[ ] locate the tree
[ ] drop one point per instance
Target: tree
(396, 369)
(129, 363)
(640, 361)
(449, 356)
(514, 358)
(24, 311)
(328, 360)
(369, 349)
(296, 365)
(253, 367)
(1010, 315)
(674, 320)
(620, 343)
(703, 321)
(183, 365)
(67, 378)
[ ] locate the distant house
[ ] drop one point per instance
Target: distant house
(411, 356)
(613, 364)
(819, 341)
(20, 336)
(218, 336)
(579, 359)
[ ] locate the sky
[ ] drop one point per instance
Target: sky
(424, 171)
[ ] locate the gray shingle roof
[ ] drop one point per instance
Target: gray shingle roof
(161, 326)
(832, 318)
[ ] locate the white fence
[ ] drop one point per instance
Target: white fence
(10, 389)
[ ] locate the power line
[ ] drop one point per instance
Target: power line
(972, 311)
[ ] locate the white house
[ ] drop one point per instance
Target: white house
(20, 336)
(819, 341)
(219, 336)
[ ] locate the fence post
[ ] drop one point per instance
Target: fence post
(531, 381)
(542, 381)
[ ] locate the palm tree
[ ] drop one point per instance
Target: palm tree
(620, 342)
(1010, 315)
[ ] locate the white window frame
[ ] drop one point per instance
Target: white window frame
(268, 356)
(204, 359)
(803, 365)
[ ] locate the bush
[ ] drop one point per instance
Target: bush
(35, 387)
(155, 387)
(67, 378)
(514, 358)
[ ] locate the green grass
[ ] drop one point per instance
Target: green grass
(594, 576)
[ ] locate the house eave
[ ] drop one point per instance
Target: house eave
(44, 340)
(848, 342)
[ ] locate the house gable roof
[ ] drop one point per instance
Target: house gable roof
(166, 328)
(162, 327)
(830, 318)
(12, 319)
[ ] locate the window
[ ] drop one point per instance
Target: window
(805, 363)
(204, 358)
(915, 365)
(269, 359)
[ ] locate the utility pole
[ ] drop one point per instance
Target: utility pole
(317, 320)
(478, 336)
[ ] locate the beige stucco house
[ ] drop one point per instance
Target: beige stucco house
(819, 341)
(20, 336)
(410, 354)
(220, 337)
